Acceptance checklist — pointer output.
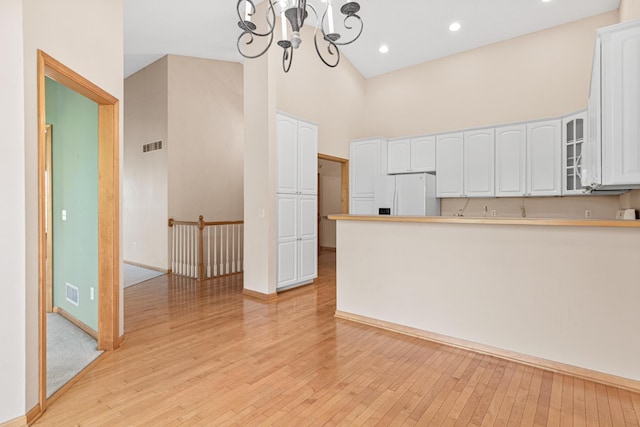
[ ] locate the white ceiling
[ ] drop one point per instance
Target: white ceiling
(416, 31)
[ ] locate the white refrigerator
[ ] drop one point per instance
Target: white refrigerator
(411, 194)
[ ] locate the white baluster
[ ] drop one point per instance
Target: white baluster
(233, 248)
(227, 252)
(215, 250)
(208, 252)
(182, 251)
(173, 248)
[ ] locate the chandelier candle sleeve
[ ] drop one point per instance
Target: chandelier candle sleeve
(330, 14)
(283, 23)
(247, 11)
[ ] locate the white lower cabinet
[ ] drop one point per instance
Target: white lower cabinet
(363, 206)
(297, 242)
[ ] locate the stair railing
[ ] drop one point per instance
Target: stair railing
(203, 250)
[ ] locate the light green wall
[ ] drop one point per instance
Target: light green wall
(74, 121)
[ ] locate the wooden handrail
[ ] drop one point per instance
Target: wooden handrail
(205, 223)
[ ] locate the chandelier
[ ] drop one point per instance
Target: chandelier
(293, 14)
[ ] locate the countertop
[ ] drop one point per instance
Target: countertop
(563, 222)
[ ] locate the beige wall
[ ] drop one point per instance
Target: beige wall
(601, 207)
(196, 107)
(145, 181)
(94, 48)
(333, 98)
(539, 75)
(205, 139)
(629, 10)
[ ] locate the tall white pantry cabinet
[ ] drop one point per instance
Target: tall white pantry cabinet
(297, 201)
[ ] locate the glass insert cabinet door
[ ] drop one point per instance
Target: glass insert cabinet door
(573, 138)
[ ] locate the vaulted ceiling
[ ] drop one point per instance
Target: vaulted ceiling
(415, 31)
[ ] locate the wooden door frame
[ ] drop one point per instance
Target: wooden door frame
(344, 177)
(108, 209)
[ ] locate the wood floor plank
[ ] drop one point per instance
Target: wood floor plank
(202, 354)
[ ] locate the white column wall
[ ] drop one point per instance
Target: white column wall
(12, 216)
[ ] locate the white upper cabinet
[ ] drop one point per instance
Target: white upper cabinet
(367, 159)
(297, 156)
(287, 154)
(465, 164)
(573, 136)
(621, 105)
(449, 162)
(307, 158)
(544, 152)
(511, 161)
(478, 170)
(399, 156)
(412, 155)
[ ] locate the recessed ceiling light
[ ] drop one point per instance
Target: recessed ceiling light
(383, 49)
(455, 26)
(546, 1)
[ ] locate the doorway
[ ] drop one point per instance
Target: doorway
(333, 197)
(106, 287)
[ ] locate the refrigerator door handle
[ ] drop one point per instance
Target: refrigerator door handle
(394, 211)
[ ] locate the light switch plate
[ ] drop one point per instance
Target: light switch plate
(64, 215)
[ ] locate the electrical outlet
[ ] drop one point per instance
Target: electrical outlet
(587, 213)
(91, 296)
(493, 212)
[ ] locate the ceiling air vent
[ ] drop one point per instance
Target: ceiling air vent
(152, 146)
(72, 294)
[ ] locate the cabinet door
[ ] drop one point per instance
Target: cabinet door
(287, 154)
(363, 206)
(573, 137)
(287, 205)
(308, 158)
(307, 259)
(287, 273)
(308, 217)
(544, 153)
(364, 166)
(423, 154)
(621, 107)
(449, 151)
(399, 156)
(511, 161)
(591, 150)
(479, 159)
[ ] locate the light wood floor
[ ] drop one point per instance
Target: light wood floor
(202, 354)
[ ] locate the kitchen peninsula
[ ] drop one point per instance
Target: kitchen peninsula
(560, 294)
